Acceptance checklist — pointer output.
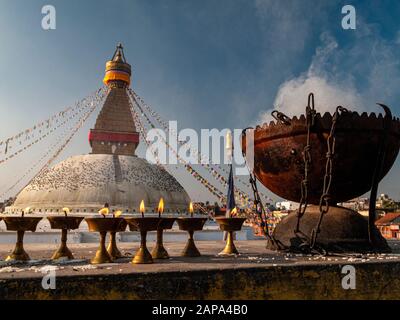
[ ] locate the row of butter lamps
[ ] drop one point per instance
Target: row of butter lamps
(116, 223)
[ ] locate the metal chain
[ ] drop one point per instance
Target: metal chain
(259, 207)
(325, 196)
(310, 116)
(280, 117)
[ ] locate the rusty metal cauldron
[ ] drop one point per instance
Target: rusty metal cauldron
(320, 161)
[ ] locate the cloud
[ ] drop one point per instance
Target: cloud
(282, 33)
(291, 98)
(287, 29)
(354, 76)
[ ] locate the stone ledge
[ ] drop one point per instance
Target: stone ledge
(377, 280)
(255, 274)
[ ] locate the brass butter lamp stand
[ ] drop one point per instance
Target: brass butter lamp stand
(144, 225)
(64, 223)
(159, 251)
(21, 225)
(230, 225)
(112, 248)
(190, 225)
(103, 225)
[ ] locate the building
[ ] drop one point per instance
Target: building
(111, 173)
(6, 203)
(357, 204)
(287, 205)
(389, 225)
(385, 202)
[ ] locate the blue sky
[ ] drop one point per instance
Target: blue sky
(204, 63)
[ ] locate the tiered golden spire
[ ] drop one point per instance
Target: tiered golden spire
(118, 71)
(114, 131)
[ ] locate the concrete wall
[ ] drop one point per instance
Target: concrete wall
(374, 281)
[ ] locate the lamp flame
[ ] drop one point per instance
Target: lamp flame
(66, 211)
(27, 210)
(117, 213)
(104, 211)
(191, 208)
(142, 208)
(234, 211)
(161, 206)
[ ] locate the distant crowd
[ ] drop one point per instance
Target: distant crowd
(6, 203)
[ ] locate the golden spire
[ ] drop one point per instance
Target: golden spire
(118, 71)
(119, 54)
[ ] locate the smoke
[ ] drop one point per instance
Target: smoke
(355, 77)
(292, 96)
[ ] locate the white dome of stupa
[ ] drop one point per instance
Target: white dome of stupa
(85, 183)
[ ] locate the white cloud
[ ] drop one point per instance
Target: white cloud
(355, 76)
(291, 98)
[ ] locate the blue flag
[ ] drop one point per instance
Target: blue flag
(230, 201)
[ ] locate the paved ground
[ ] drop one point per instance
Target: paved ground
(253, 254)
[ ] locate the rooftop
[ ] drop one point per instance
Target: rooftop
(389, 218)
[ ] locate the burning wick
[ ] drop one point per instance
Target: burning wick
(104, 211)
(233, 212)
(27, 210)
(191, 209)
(117, 213)
(142, 208)
(160, 207)
(66, 211)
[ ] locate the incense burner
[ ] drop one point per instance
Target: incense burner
(279, 164)
(347, 155)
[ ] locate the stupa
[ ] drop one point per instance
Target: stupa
(111, 173)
